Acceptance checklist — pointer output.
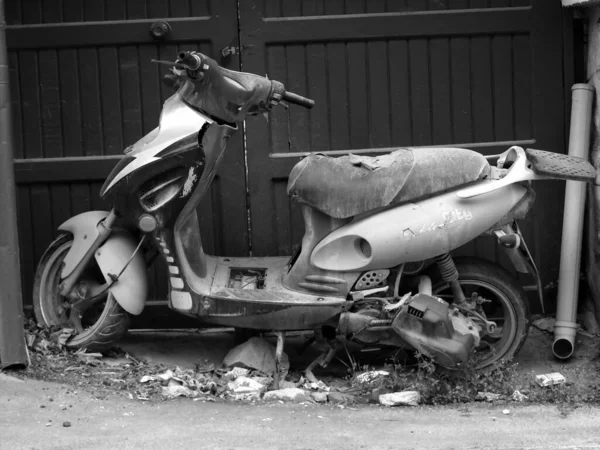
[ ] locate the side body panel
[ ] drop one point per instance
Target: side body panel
(414, 231)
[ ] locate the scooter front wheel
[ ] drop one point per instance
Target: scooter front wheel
(502, 300)
(99, 327)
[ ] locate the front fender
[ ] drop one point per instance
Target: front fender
(84, 228)
(131, 290)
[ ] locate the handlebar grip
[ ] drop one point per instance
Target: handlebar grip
(193, 61)
(296, 99)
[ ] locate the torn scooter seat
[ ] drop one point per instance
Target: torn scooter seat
(350, 185)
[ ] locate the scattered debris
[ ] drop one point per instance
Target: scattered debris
(256, 353)
(505, 411)
(295, 395)
(517, 396)
(244, 388)
(319, 397)
(341, 397)
(404, 398)
(369, 378)
(236, 372)
(488, 396)
(550, 379)
(544, 324)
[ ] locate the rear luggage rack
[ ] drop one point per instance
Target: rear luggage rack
(557, 165)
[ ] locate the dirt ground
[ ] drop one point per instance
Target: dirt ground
(34, 412)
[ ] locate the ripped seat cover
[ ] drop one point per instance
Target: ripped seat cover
(349, 185)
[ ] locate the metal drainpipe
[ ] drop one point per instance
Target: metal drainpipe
(12, 342)
(572, 233)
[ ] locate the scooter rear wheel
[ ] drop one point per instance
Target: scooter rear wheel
(506, 305)
(103, 324)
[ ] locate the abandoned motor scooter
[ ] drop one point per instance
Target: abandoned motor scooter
(373, 267)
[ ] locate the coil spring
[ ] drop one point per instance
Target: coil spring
(447, 267)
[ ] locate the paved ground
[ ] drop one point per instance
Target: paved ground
(30, 420)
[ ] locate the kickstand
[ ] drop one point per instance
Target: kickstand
(278, 356)
(323, 359)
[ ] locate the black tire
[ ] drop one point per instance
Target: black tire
(107, 323)
(494, 283)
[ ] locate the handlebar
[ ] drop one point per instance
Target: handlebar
(192, 61)
(296, 99)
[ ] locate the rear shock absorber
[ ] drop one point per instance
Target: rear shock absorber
(450, 275)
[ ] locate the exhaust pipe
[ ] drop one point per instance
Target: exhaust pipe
(570, 254)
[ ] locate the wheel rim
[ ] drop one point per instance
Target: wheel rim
(52, 303)
(500, 310)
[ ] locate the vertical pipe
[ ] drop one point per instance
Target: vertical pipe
(12, 342)
(572, 232)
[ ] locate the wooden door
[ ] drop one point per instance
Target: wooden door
(84, 88)
(485, 74)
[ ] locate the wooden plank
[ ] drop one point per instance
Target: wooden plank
(91, 108)
(68, 63)
(462, 113)
(179, 8)
(13, 13)
(313, 7)
(523, 85)
(32, 14)
(271, 8)
(441, 108)
(358, 99)
(150, 83)
(136, 10)
(280, 219)
(92, 34)
(26, 256)
(116, 10)
(502, 71)
(481, 91)
(279, 118)
(129, 78)
(378, 75)
(157, 8)
(41, 219)
(203, 8)
(354, 7)
(15, 104)
(420, 95)
(30, 107)
(59, 204)
(93, 10)
(338, 95)
(50, 103)
(72, 11)
(316, 61)
(334, 7)
(51, 11)
(297, 82)
(67, 169)
(388, 25)
(401, 114)
(111, 101)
